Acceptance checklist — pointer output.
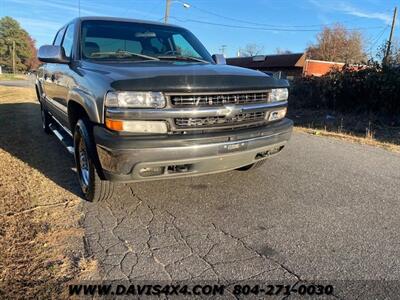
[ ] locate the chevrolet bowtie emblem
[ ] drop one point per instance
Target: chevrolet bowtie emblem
(231, 110)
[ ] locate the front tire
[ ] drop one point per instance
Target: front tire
(45, 119)
(93, 188)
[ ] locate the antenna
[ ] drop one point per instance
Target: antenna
(79, 8)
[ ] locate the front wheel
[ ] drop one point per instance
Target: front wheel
(92, 186)
(45, 119)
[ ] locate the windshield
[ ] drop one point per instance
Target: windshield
(113, 40)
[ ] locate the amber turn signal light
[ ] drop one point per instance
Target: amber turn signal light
(116, 125)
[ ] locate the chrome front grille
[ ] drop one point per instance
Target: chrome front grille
(217, 121)
(218, 99)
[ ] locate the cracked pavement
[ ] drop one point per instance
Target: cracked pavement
(322, 209)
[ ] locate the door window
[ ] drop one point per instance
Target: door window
(68, 40)
(59, 36)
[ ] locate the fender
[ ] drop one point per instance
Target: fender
(88, 101)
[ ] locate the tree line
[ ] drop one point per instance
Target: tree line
(338, 44)
(335, 43)
(14, 38)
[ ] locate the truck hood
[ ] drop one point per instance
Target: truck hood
(169, 76)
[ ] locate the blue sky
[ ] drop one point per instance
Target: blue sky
(285, 24)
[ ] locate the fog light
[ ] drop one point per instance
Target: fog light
(151, 171)
(137, 126)
(277, 114)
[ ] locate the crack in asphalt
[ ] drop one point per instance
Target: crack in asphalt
(258, 254)
(111, 229)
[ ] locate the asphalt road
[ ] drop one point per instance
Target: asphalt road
(19, 83)
(322, 209)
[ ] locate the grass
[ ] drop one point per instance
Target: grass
(351, 138)
(10, 94)
(375, 130)
(6, 76)
(40, 237)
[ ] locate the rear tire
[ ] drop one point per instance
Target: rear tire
(93, 188)
(45, 119)
(253, 166)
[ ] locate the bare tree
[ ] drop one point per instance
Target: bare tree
(394, 54)
(282, 51)
(252, 50)
(338, 44)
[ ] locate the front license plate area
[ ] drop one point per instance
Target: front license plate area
(239, 146)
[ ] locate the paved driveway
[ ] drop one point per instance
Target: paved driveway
(323, 209)
(29, 82)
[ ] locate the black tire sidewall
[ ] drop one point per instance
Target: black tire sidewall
(82, 132)
(45, 119)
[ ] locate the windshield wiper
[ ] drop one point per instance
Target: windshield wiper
(183, 58)
(122, 54)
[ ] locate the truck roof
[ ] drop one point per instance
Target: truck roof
(116, 19)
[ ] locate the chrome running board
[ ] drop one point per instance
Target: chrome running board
(63, 137)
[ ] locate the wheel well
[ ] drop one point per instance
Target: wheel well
(75, 112)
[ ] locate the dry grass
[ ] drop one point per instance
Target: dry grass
(351, 138)
(10, 94)
(5, 76)
(40, 237)
(36, 254)
(375, 130)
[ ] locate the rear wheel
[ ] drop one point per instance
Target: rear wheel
(45, 119)
(253, 166)
(91, 184)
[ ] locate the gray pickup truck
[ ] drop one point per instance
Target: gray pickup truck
(136, 100)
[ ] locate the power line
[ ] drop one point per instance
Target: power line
(376, 39)
(263, 24)
(265, 28)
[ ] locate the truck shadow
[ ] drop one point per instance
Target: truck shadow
(21, 135)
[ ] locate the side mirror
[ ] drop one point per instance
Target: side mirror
(219, 59)
(52, 54)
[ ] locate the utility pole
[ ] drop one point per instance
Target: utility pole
(13, 56)
(168, 4)
(222, 49)
(390, 36)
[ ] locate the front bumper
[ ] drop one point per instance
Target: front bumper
(123, 157)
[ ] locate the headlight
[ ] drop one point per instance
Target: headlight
(280, 94)
(135, 99)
